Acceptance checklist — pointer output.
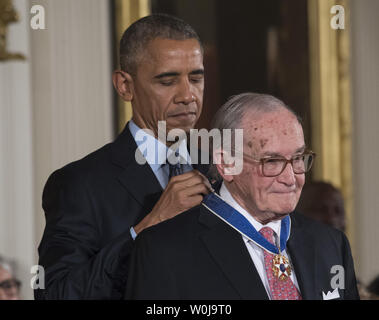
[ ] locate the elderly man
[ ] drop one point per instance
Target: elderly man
(9, 286)
(246, 242)
(96, 206)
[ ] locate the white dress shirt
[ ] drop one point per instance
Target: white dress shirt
(156, 153)
(255, 251)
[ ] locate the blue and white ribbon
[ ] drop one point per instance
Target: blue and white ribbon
(214, 203)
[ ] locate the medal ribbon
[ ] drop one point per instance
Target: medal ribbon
(214, 203)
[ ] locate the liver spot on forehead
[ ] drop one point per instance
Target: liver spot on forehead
(250, 144)
(263, 142)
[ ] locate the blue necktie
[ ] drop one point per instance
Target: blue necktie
(174, 170)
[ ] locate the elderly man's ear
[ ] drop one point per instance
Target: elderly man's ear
(123, 83)
(226, 165)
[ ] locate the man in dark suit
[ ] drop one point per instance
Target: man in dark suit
(96, 206)
(246, 242)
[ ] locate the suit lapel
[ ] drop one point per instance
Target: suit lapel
(302, 252)
(227, 248)
(139, 180)
(142, 184)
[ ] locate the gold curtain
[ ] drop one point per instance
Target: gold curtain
(330, 100)
(127, 12)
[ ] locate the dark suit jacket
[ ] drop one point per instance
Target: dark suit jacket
(90, 206)
(198, 256)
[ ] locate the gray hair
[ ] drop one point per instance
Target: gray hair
(230, 115)
(137, 36)
(6, 264)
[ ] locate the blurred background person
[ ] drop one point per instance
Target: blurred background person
(9, 285)
(373, 289)
(323, 202)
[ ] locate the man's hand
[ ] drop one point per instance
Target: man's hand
(183, 192)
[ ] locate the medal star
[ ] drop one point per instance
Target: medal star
(281, 267)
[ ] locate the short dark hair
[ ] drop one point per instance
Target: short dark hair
(137, 36)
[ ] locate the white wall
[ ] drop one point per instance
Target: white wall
(365, 68)
(55, 108)
(16, 152)
(72, 87)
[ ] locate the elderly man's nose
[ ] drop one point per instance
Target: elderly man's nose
(287, 176)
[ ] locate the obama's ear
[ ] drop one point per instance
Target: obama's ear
(123, 83)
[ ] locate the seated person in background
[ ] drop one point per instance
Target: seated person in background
(9, 286)
(373, 289)
(323, 202)
(246, 241)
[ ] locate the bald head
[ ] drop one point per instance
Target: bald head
(263, 126)
(230, 115)
(249, 107)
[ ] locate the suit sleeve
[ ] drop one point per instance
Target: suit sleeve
(150, 275)
(351, 290)
(76, 266)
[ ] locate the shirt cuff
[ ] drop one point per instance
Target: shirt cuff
(133, 233)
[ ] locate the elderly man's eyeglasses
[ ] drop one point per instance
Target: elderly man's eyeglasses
(274, 166)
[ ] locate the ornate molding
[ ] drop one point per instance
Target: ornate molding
(8, 15)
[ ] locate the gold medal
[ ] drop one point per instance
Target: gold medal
(281, 267)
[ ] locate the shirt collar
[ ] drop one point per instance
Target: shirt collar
(156, 159)
(228, 198)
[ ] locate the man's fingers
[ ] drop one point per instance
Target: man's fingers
(208, 184)
(197, 189)
(205, 180)
(182, 193)
(196, 200)
(189, 179)
(186, 176)
(188, 203)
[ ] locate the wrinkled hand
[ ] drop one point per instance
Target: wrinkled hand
(183, 192)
